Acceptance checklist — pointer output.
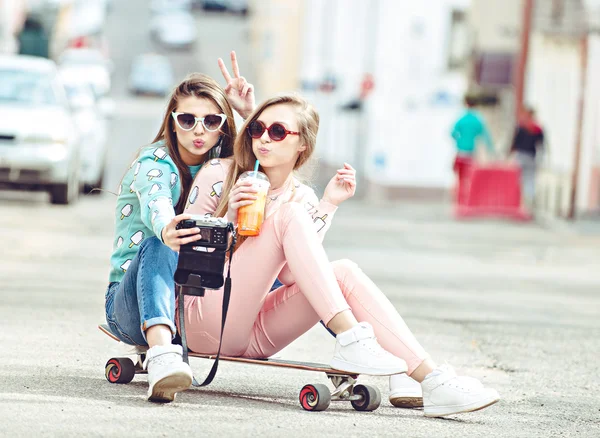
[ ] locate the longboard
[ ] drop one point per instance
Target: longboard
(313, 397)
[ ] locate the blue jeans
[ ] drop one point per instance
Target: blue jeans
(146, 295)
(528, 166)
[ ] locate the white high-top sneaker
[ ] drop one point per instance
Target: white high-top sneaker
(357, 351)
(405, 392)
(445, 393)
(167, 372)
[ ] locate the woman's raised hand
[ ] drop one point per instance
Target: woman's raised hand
(342, 186)
(240, 92)
(174, 238)
(242, 193)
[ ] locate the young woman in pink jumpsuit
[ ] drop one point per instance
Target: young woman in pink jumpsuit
(371, 337)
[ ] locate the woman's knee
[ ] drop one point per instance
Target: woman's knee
(344, 267)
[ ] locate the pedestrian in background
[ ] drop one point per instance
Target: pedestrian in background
(527, 143)
(467, 130)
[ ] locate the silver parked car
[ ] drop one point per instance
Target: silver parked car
(92, 125)
(38, 138)
(174, 30)
(151, 74)
(88, 63)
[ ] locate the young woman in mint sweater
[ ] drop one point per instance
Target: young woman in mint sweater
(140, 298)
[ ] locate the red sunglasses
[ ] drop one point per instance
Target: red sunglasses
(277, 131)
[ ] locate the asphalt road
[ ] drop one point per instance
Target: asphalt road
(514, 305)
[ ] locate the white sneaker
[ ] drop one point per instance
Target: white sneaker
(357, 351)
(167, 372)
(405, 392)
(444, 393)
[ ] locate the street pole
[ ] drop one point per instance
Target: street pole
(360, 153)
(580, 111)
(523, 54)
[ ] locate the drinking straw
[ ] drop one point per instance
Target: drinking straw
(256, 169)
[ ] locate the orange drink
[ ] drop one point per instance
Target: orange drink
(250, 217)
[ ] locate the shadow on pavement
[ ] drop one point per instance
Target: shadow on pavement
(78, 388)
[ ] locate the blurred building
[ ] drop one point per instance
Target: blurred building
(387, 78)
(495, 36)
(46, 27)
(32, 27)
(563, 84)
(12, 19)
(276, 41)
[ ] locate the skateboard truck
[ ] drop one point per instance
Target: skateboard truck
(343, 386)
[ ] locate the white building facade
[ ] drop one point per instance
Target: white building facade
(414, 52)
(563, 85)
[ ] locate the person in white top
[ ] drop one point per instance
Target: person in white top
(371, 337)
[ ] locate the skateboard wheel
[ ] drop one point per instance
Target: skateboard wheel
(119, 370)
(315, 397)
(370, 398)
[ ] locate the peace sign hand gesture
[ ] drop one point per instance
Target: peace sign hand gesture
(240, 92)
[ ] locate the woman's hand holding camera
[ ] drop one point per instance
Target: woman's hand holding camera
(242, 193)
(342, 186)
(174, 238)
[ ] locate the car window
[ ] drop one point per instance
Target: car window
(80, 95)
(26, 87)
(84, 57)
(150, 64)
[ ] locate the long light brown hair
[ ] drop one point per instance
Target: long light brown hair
(202, 86)
(243, 156)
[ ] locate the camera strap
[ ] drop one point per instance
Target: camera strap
(181, 309)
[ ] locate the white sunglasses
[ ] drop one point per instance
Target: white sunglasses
(187, 121)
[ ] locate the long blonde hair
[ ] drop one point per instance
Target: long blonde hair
(203, 86)
(243, 156)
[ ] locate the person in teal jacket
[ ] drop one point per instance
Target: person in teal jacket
(467, 130)
(198, 125)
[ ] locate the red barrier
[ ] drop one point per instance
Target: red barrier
(491, 191)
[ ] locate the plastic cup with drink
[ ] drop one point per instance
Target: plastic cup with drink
(251, 217)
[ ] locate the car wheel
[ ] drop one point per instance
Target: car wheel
(66, 193)
(89, 188)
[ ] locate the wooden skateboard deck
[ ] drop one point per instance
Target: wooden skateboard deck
(313, 397)
(306, 366)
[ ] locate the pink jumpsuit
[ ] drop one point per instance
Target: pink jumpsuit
(289, 247)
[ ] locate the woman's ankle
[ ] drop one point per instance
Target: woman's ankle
(342, 322)
(426, 367)
(158, 335)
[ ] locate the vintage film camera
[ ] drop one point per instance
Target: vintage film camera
(202, 262)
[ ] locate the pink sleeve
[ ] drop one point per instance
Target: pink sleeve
(205, 193)
(321, 214)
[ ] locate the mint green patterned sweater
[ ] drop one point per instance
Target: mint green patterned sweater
(147, 194)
